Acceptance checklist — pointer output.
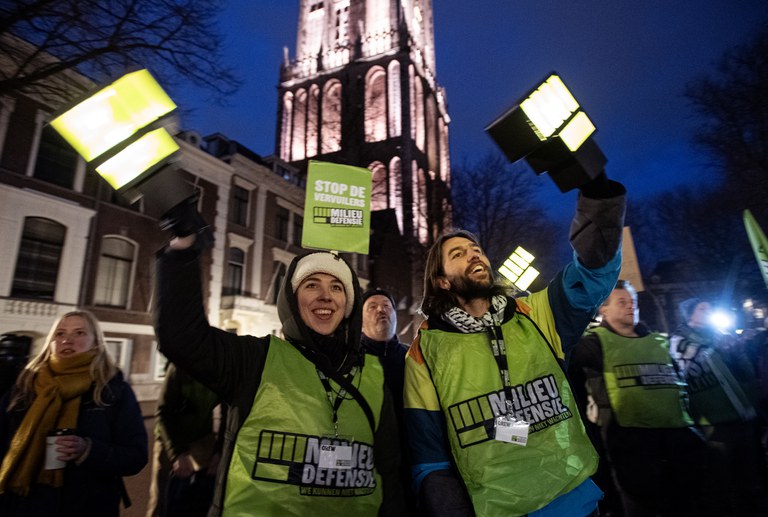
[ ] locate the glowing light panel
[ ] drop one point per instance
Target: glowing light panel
(549, 106)
(517, 269)
(113, 114)
(131, 162)
(577, 131)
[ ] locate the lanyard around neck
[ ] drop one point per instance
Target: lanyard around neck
(340, 396)
(499, 351)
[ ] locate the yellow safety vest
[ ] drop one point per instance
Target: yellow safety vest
(275, 463)
(643, 386)
(504, 478)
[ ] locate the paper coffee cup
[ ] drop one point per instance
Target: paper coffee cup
(51, 455)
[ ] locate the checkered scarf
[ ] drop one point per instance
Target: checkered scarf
(469, 324)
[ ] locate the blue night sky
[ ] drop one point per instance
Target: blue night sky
(626, 62)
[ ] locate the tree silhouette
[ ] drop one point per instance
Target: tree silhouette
(176, 40)
(497, 201)
(732, 109)
(703, 227)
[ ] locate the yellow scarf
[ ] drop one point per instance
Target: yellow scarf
(58, 386)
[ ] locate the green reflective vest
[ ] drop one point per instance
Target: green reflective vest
(504, 478)
(643, 386)
(717, 395)
(275, 463)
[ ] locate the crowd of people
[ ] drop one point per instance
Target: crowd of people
(501, 406)
(678, 411)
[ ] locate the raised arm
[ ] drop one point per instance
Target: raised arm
(218, 359)
(577, 292)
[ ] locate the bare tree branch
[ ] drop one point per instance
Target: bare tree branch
(176, 40)
(732, 109)
(497, 201)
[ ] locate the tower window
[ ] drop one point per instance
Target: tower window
(376, 106)
(342, 23)
(330, 137)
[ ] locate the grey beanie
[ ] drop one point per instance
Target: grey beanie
(688, 306)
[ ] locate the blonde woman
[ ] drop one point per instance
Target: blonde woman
(73, 385)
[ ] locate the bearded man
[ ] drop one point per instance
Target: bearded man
(491, 422)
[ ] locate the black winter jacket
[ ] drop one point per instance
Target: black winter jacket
(93, 488)
(232, 366)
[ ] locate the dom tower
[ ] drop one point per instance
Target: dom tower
(362, 91)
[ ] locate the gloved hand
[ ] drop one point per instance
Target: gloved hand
(600, 187)
(597, 188)
(184, 219)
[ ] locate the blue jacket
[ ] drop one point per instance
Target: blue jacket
(573, 296)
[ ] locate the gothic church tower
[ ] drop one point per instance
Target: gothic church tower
(362, 91)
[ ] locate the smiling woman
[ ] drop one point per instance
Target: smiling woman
(324, 290)
(321, 299)
(310, 386)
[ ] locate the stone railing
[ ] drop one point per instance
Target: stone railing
(29, 308)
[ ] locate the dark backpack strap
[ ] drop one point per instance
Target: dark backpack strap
(341, 380)
(352, 390)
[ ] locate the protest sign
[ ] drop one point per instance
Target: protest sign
(337, 208)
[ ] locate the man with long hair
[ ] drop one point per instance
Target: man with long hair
(491, 422)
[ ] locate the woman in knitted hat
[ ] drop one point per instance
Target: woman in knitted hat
(310, 428)
(71, 386)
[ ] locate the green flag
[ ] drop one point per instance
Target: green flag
(759, 243)
(337, 208)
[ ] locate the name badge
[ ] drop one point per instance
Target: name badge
(511, 430)
(335, 457)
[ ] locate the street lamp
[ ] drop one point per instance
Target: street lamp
(120, 132)
(549, 129)
(517, 269)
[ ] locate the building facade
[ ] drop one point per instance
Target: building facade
(70, 242)
(362, 91)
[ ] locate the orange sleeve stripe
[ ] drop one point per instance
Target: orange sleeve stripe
(523, 307)
(414, 352)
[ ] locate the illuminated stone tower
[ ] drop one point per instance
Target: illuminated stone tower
(362, 91)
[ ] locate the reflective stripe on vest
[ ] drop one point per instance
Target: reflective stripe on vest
(716, 395)
(503, 478)
(274, 467)
(642, 384)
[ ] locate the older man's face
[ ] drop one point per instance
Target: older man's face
(379, 318)
(620, 310)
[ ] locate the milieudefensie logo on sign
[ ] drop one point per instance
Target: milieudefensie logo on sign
(337, 208)
(338, 216)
